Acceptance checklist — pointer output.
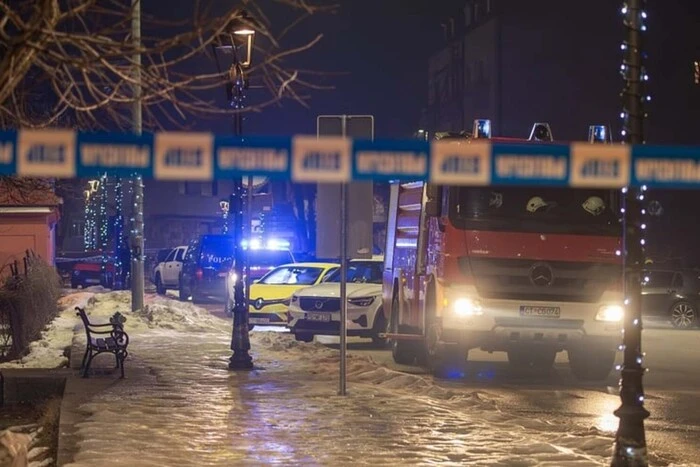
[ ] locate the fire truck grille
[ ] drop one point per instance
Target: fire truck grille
(520, 279)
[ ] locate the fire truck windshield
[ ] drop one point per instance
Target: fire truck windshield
(535, 209)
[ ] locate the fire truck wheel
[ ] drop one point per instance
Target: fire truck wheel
(182, 294)
(537, 361)
(403, 352)
(591, 364)
(380, 327)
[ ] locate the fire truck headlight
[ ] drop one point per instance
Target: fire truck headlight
(610, 313)
(467, 307)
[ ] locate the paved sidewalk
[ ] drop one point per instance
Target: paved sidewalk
(179, 405)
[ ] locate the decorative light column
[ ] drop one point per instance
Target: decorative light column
(630, 439)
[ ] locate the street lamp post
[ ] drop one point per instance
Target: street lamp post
(227, 47)
(630, 440)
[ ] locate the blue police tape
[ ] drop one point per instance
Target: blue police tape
(303, 158)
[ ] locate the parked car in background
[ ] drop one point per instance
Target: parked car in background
(672, 294)
(270, 295)
(166, 274)
(154, 261)
(89, 273)
(209, 260)
(316, 310)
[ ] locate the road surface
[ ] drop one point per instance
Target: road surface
(672, 388)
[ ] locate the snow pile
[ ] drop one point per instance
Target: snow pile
(100, 304)
(50, 350)
(18, 447)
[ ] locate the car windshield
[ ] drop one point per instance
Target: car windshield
(360, 271)
(536, 208)
(292, 275)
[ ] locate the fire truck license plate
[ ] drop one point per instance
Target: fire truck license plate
(540, 311)
(323, 317)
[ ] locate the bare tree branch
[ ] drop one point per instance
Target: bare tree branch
(71, 61)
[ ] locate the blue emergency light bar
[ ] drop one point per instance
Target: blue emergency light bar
(482, 129)
(272, 244)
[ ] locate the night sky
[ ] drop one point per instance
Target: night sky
(383, 48)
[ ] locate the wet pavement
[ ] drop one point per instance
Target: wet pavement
(179, 405)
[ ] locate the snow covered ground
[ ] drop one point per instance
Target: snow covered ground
(179, 404)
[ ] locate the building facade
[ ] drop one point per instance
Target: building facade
(518, 62)
(29, 211)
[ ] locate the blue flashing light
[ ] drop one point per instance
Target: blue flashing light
(597, 134)
(272, 244)
(482, 129)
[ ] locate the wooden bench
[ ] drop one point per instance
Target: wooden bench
(115, 341)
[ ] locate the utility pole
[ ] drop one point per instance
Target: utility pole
(136, 234)
(630, 439)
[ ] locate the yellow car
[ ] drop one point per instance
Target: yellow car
(269, 296)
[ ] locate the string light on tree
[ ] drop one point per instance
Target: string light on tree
(224, 205)
(87, 233)
(118, 226)
(91, 195)
(104, 223)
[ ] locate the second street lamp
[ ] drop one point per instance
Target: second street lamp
(235, 48)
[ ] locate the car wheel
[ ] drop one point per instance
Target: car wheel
(160, 289)
(380, 326)
(304, 337)
(683, 315)
(403, 352)
(182, 294)
(591, 364)
(537, 361)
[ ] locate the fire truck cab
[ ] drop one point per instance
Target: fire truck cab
(530, 271)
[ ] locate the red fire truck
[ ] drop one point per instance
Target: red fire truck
(530, 271)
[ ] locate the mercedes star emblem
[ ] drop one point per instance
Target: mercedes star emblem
(541, 275)
(259, 303)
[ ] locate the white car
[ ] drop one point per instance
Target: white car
(316, 310)
(167, 273)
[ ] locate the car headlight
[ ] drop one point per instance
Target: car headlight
(467, 307)
(610, 313)
(361, 301)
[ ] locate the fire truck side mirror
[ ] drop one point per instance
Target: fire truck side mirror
(433, 205)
